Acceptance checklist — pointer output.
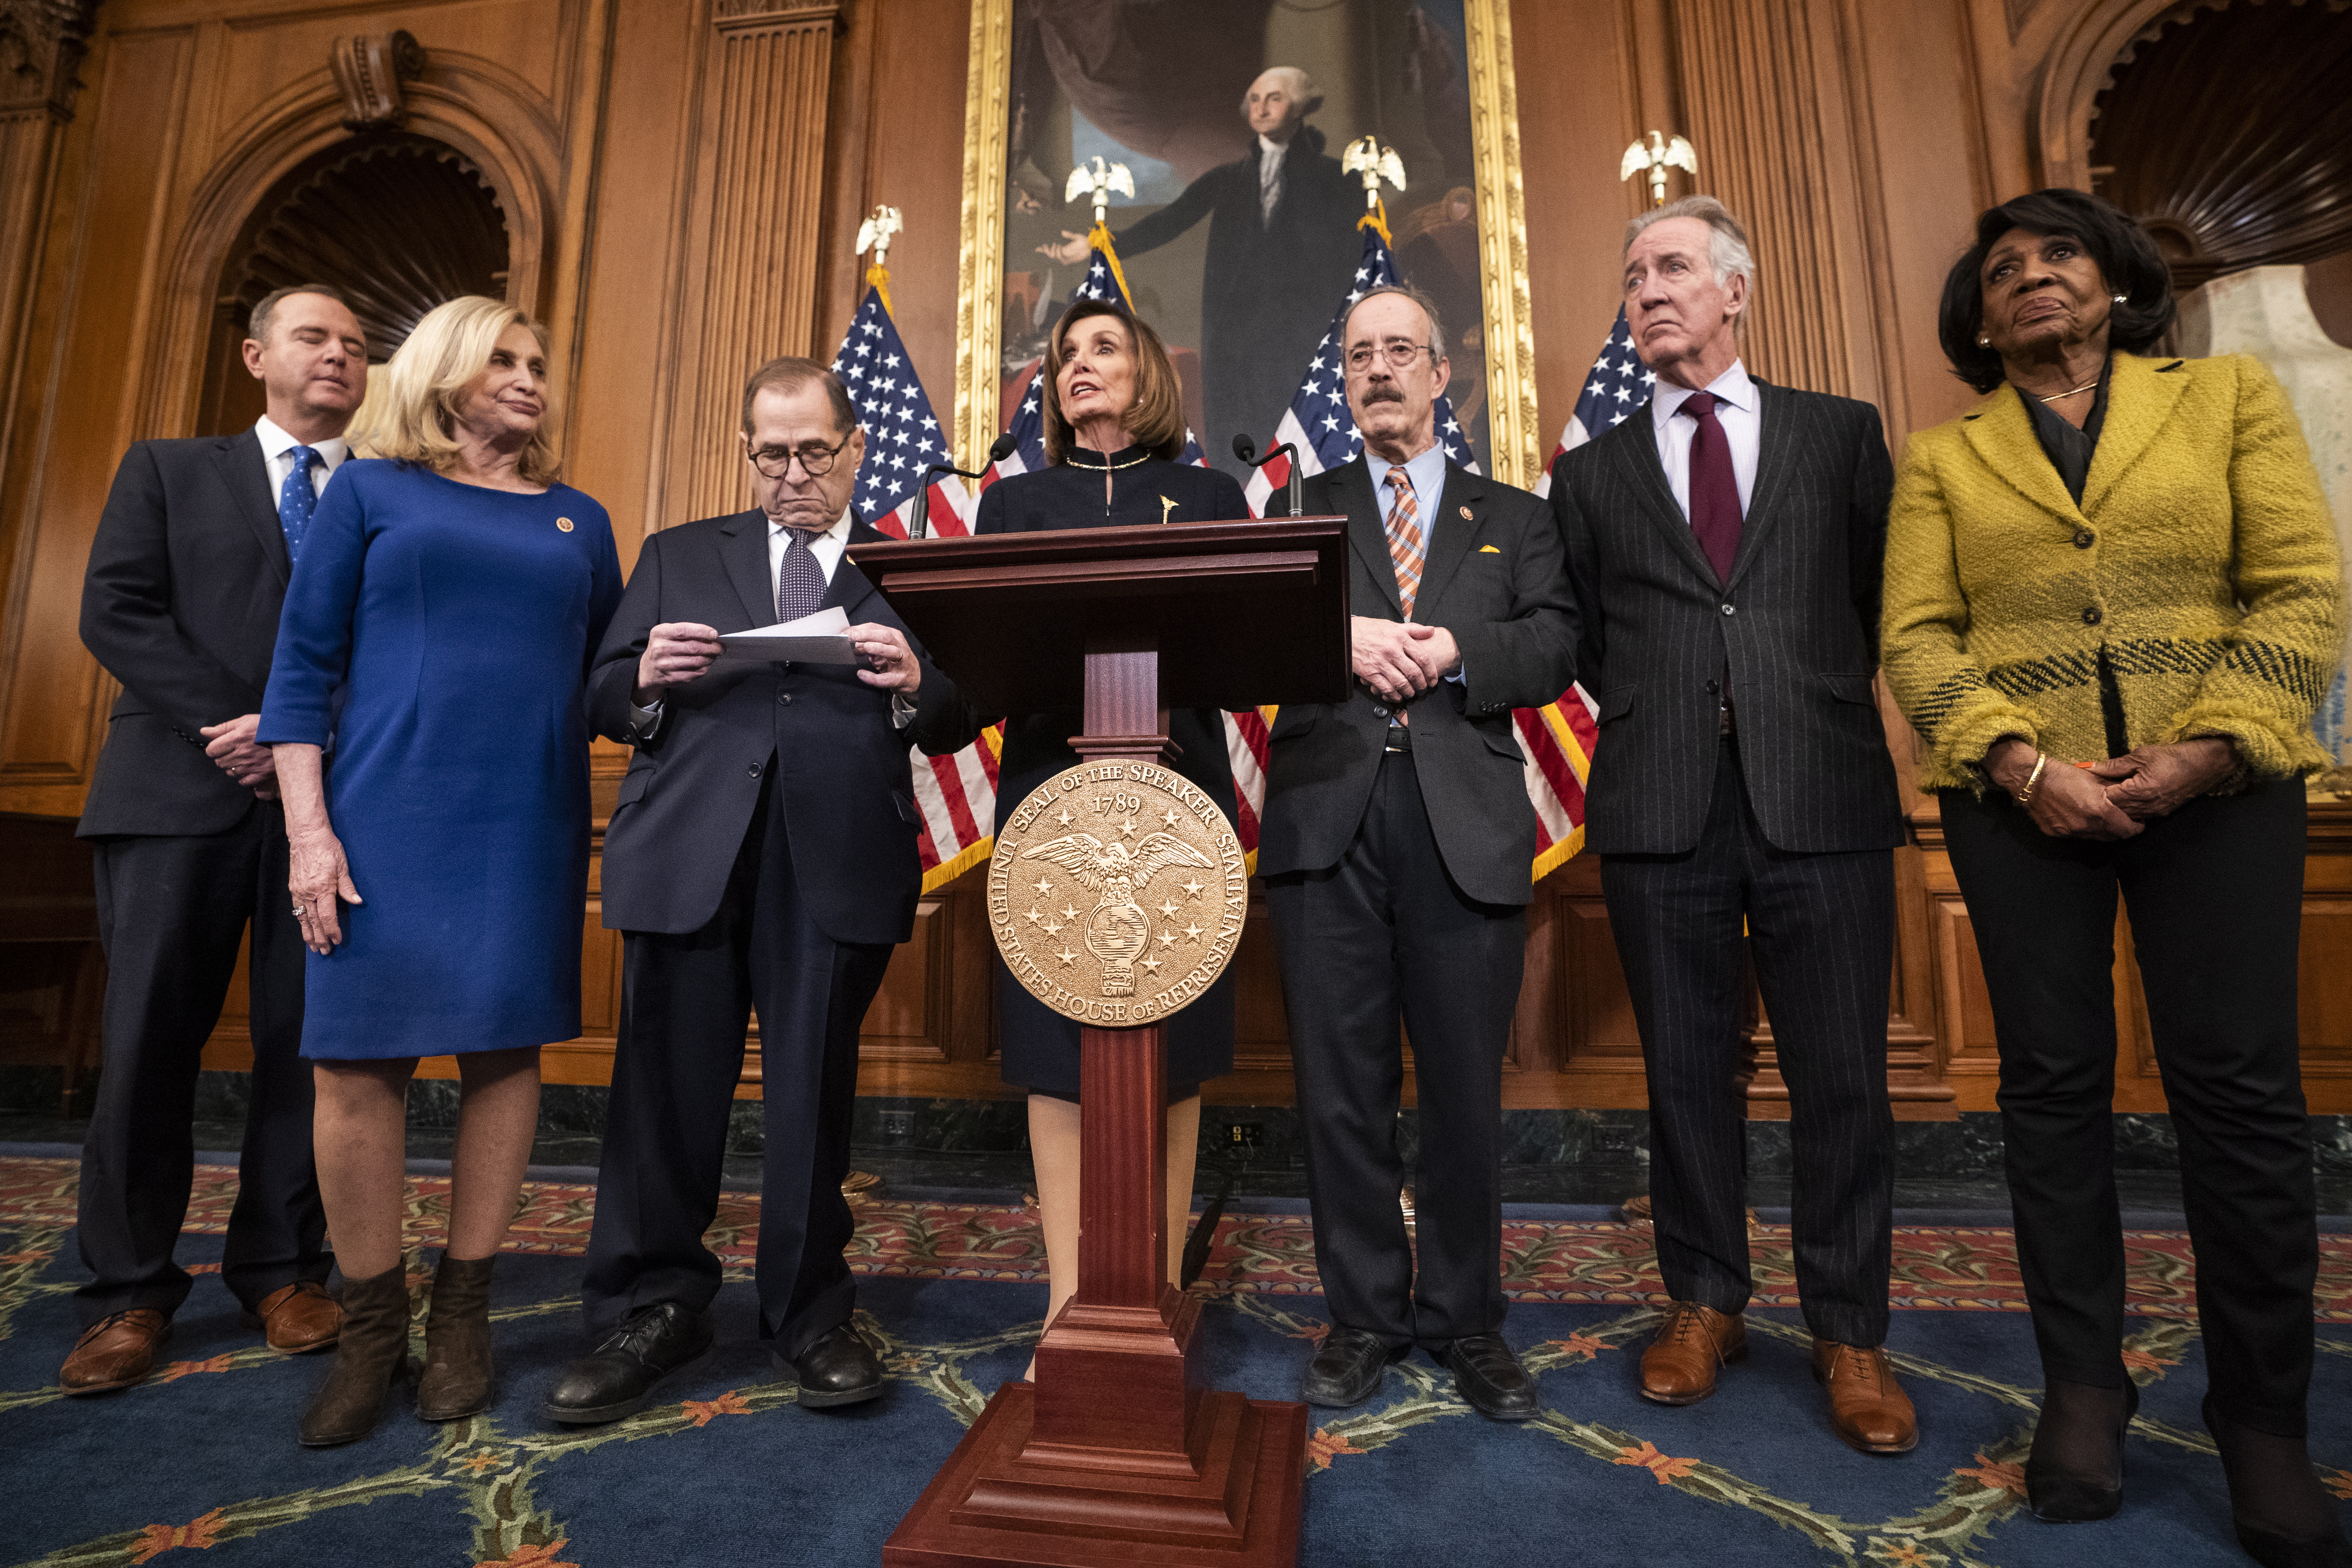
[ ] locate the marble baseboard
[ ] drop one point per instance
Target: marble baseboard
(1261, 1143)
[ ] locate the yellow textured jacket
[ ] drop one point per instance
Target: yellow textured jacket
(2202, 560)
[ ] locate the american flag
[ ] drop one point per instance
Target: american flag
(1317, 422)
(955, 795)
(902, 434)
(1619, 383)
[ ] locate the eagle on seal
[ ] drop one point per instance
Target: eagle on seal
(1118, 930)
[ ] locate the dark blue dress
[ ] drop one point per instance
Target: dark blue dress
(1040, 1045)
(438, 634)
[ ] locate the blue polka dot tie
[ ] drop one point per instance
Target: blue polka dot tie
(800, 580)
(296, 499)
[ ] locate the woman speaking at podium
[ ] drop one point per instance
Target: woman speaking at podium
(1114, 425)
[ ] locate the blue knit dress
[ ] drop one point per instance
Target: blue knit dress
(436, 638)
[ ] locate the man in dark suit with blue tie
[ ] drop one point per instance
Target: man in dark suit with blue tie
(762, 857)
(186, 576)
(1397, 848)
(1725, 543)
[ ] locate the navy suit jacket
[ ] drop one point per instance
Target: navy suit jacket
(825, 736)
(187, 575)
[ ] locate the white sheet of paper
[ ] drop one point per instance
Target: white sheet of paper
(812, 639)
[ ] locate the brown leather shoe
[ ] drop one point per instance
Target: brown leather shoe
(299, 1318)
(115, 1351)
(1679, 1366)
(1869, 1409)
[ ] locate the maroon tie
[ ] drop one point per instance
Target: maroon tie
(1714, 488)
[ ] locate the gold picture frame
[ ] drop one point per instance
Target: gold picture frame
(1514, 431)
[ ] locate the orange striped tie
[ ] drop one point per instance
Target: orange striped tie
(1405, 547)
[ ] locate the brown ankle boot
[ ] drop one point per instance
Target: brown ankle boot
(457, 1342)
(371, 1356)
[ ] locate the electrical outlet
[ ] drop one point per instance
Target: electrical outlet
(1613, 1141)
(898, 1124)
(1243, 1135)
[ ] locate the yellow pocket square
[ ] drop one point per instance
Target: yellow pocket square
(1489, 550)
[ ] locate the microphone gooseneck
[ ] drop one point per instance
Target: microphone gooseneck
(996, 454)
(1246, 450)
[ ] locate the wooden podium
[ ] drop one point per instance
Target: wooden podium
(1116, 1455)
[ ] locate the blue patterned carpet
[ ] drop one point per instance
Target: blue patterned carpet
(199, 1466)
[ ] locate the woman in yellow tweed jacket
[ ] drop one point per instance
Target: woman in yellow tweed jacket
(2113, 601)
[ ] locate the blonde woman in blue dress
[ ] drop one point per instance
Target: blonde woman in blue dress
(426, 712)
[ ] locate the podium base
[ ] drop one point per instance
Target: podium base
(987, 1506)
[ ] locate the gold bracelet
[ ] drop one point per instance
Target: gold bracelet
(2025, 795)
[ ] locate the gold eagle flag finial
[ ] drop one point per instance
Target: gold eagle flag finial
(875, 234)
(1102, 179)
(1657, 158)
(1366, 158)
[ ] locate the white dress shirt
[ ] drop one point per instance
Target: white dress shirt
(828, 548)
(1734, 408)
(277, 449)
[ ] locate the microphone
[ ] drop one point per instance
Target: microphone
(996, 454)
(1246, 450)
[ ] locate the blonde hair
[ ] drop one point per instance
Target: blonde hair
(1155, 423)
(421, 387)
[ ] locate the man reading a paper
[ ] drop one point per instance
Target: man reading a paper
(762, 857)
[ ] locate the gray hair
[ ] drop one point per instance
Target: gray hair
(1304, 92)
(1428, 308)
(265, 308)
(1726, 241)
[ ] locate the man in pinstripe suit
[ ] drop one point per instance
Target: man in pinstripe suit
(1725, 544)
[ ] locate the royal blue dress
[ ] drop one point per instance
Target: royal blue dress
(438, 634)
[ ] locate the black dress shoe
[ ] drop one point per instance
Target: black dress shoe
(838, 1368)
(1347, 1369)
(613, 1380)
(2284, 1517)
(1489, 1377)
(2077, 1481)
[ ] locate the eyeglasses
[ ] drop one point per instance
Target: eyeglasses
(816, 460)
(1399, 355)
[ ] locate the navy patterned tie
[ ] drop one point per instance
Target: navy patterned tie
(800, 584)
(296, 499)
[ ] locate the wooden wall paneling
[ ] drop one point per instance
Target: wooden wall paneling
(752, 238)
(37, 105)
(2324, 1009)
(1753, 89)
(55, 694)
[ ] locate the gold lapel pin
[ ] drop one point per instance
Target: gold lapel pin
(1465, 514)
(565, 524)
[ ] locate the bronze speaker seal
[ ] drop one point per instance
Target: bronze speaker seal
(1117, 893)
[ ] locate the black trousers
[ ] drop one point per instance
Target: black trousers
(170, 912)
(2215, 894)
(1384, 938)
(686, 1003)
(1821, 931)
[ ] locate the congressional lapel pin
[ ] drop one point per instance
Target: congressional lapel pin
(1166, 506)
(1465, 514)
(1489, 550)
(564, 523)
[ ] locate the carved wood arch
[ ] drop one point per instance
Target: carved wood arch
(2081, 63)
(2226, 130)
(499, 126)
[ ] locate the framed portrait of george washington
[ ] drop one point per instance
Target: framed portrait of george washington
(1235, 226)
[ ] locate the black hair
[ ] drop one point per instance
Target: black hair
(2127, 260)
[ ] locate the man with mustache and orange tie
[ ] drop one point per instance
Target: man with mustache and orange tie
(1397, 846)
